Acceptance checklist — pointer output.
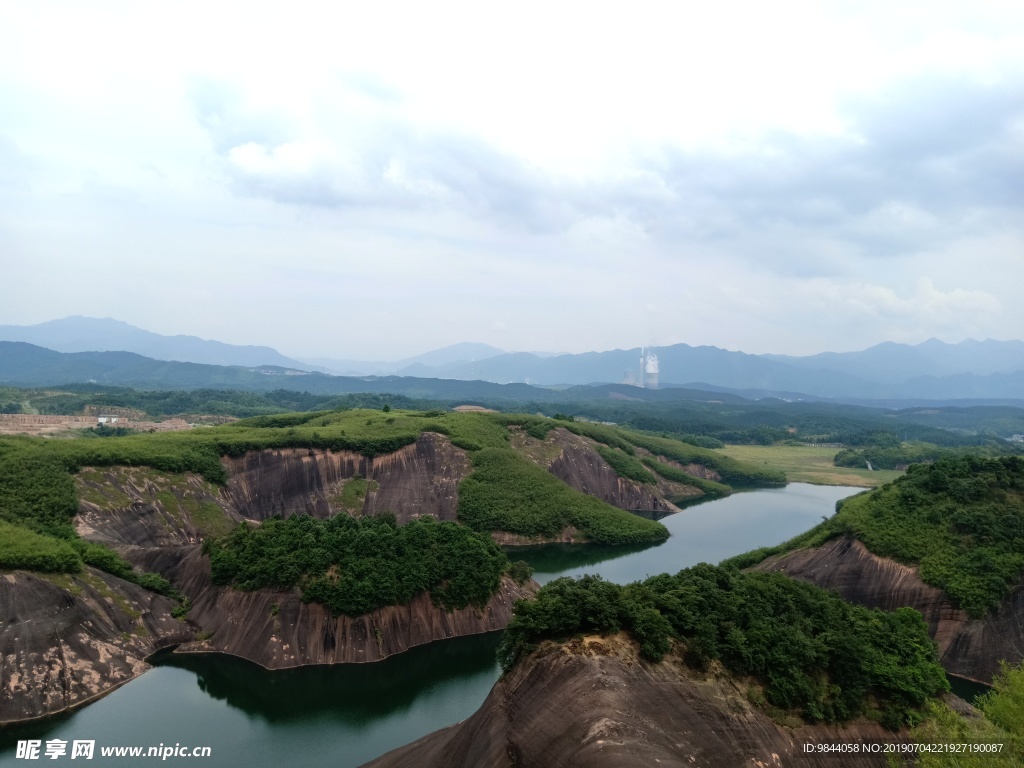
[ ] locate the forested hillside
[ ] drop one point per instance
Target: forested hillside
(961, 520)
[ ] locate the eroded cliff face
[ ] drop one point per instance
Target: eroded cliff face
(276, 630)
(142, 507)
(573, 460)
(156, 520)
(593, 704)
(419, 479)
(66, 639)
(967, 647)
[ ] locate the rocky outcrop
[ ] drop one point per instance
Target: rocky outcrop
(275, 629)
(419, 479)
(593, 704)
(142, 507)
(573, 460)
(967, 647)
(66, 639)
(156, 521)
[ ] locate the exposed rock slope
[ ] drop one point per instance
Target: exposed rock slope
(573, 460)
(156, 521)
(970, 648)
(141, 507)
(419, 479)
(594, 704)
(66, 639)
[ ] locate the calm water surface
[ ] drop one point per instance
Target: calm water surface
(342, 716)
(702, 533)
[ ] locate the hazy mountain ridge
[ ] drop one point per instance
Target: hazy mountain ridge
(890, 362)
(90, 334)
(933, 370)
(433, 363)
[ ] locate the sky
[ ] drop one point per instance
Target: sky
(374, 180)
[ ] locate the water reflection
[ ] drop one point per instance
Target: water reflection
(551, 559)
(345, 715)
(968, 690)
(355, 693)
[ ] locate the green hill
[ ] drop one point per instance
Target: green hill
(505, 492)
(961, 520)
(810, 652)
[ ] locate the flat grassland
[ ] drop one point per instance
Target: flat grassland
(808, 464)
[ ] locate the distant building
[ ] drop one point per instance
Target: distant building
(106, 419)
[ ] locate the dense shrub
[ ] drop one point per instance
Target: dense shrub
(36, 490)
(892, 456)
(23, 549)
(354, 565)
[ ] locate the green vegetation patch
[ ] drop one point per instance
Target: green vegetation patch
(676, 475)
(625, 465)
(733, 472)
(23, 549)
(995, 740)
(960, 519)
(354, 565)
(353, 493)
(36, 490)
(901, 454)
(211, 520)
(369, 432)
(809, 464)
(814, 653)
(623, 445)
(506, 492)
(100, 487)
(98, 556)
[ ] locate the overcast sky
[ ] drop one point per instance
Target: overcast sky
(373, 180)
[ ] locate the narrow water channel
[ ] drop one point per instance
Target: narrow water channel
(344, 715)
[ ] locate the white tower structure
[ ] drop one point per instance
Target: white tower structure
(651, 371)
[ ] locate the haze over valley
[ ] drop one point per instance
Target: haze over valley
(930, 371)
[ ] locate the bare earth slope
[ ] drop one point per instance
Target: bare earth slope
(67, 639)
(969, 648)
(594, 704)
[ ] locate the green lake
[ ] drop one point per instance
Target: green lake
(344, 715)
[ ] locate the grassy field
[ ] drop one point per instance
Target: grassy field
(806, 464)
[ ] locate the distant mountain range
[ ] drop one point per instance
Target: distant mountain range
(92, 334)
(933, 370)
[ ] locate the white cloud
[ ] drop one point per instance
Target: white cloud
(439, 166)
